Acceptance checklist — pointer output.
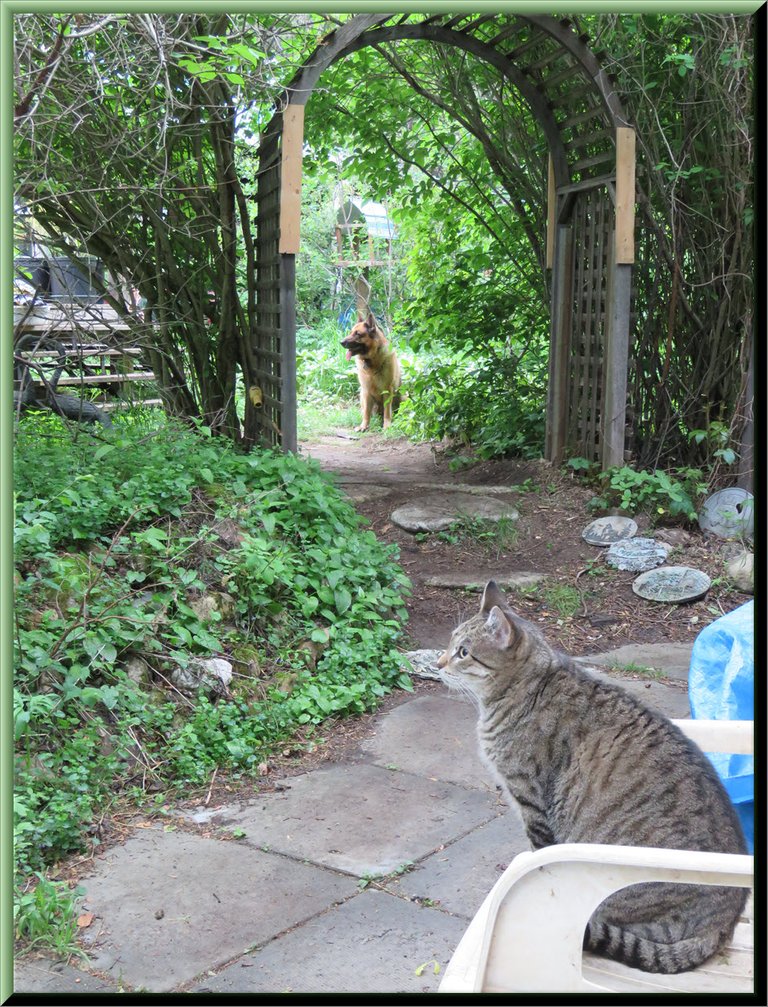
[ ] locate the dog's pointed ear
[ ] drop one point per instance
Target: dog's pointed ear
(370, 321)
(360, 315)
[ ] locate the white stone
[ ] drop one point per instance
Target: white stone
(741, 570)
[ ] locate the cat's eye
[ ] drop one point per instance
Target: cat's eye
(462, 652)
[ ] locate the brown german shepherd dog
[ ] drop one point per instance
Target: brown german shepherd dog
(378, 370)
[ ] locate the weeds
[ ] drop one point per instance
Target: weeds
(664, 496)
(562, 599)
(45, 916)
(496, 537)
(637, 669)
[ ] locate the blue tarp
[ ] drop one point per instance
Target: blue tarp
(721, 683)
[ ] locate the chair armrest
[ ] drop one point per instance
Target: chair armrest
(527, 936)
(734, 736)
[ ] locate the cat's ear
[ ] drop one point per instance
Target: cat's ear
(492, 596)
(501, 628)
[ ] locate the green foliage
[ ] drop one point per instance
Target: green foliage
(563, 599)
(324, 375)
(479, 399)
(117, 573)
(44, 916)
(716, 442)
(494, 537)
(662, 495)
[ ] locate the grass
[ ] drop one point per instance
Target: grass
(562, 599)
(495, 537)
(637, 669)
(316, 419)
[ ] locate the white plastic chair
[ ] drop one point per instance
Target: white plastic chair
(527, 935)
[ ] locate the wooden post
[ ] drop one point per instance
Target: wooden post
(288, 425)
(559, 345)
(551, 212)
(625, 196)
(362, 293)
(290, 179)
(613, 413)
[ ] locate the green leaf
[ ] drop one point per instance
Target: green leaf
(343, 600)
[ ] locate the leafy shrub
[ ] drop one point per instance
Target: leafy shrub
(489, 402)
(322, 370)
(663, 496)
(115, 573)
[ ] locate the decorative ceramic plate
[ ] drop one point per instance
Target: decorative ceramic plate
(729, 513)
(637, 554)
(672, 584)
(607, 530)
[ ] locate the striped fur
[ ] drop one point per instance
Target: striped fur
(586, 762)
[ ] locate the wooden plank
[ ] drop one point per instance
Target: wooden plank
(625, 196)
(551, 212)
(102, 379)
(559, 343)
(82, 353)
(584, 116)
(114, 404)
(579, 344)
(595, 159)
(288, 422)
(616, 359)
(557, 78)
(598, 336)
(290, 194)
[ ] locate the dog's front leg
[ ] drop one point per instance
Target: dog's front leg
(386, 412)
(366, 404)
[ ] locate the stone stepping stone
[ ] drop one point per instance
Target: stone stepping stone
(360, 492)
(438, 512)
(607, 530)
(672, 584)
(480, 490)
(637, 554)
(469, 582)
(729, 513)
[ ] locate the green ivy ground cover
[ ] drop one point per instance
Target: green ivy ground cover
(117, 538)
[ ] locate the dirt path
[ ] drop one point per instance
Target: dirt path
(584, 606)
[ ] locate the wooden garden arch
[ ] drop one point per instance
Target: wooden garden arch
(590, 231)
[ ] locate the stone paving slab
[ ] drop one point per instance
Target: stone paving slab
(46, 975)
(435, 512)
(460, 876)
(673, 659)
(362, 819)
(451, 754)
(671, 700)
(374, 943)
(174, 904)
(470, 582)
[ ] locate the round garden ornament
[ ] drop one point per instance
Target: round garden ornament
(607, 530)
(671, 584)
(729, 513)
(636, 554)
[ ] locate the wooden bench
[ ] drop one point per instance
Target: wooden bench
(527, 935)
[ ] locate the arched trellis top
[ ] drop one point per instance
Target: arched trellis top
(591, 147)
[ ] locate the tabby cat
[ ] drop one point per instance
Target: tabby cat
(586, 762)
